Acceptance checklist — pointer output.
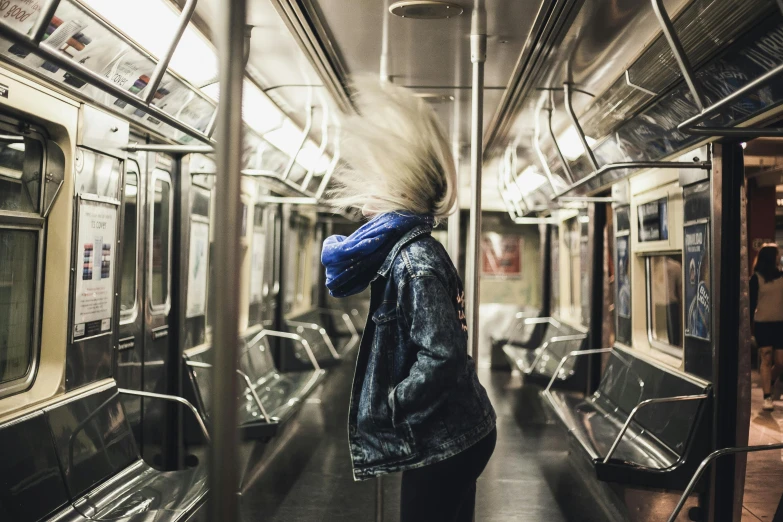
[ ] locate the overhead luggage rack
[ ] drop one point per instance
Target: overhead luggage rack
(599, 171)
(35, 43)
(691, 125)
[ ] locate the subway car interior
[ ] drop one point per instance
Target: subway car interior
(620, 167)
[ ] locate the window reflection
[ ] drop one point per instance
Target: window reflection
(129, 243)
(18, 249)
(160, 241)
(20, 173)
(664, 302)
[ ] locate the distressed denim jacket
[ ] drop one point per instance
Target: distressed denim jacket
(416, 399)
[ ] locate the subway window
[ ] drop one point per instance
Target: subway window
(160, 248)
(18, 262)
(130, 241)
(21, 233)
(664, 303)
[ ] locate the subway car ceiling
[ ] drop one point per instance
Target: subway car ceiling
(548, 65)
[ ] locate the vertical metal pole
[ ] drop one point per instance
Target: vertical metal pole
(379, 499)
(453, 231)
(478, 55)
(223, 455)
(385, 77)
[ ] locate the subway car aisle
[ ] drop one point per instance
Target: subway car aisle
(308, 479)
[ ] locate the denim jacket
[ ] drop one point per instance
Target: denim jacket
(416, 398)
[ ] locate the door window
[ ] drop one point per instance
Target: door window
(160, 247)
(664, 303)
(130, 242)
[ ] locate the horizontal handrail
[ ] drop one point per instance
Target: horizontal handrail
(709, 460)
(575, 353)
(542, 320)
(245, 377)
(321, 331)
(545, 347)
(644, 403)
(293, 337)
(172, 398)
(705, 165)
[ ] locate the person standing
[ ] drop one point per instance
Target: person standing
(417, 405)
(766, 317)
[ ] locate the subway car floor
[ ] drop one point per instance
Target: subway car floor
(764, 475)
(306, 476)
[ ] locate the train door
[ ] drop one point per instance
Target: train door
(763, 164)
(129, 359)
(159, 361)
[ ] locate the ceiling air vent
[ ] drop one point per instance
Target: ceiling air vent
(425, 9)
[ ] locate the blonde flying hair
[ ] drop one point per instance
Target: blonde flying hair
(397, 157)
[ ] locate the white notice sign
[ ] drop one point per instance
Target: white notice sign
(94, 293)
(197, 269)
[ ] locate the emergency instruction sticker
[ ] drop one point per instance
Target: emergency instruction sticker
(94, 288)
(697, 281)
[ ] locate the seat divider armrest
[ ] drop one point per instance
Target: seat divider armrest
(172, 398)
(657, 400)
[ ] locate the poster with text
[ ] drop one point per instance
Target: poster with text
(501, 255)
(623, 278)
(697, 281)
(197, 269)
(94, 289)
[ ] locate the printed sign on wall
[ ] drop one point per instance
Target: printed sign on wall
(697, 281)
(197, 269)
(501, 255)
(94, 289)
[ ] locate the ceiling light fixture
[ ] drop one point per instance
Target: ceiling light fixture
(425, 9)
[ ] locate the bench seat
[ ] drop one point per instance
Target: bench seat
(268, 397)
(646, 425)
(77, 460)
(543, 361)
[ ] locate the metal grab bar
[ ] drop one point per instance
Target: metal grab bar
(321, 331)
(246, 378)
(172, 398)
(163, 63)
(660, 400)
(348, 323)
(545, 347)
(293, 337)
(707, 461)
(689, 125)
(542, 320)
(575, 353)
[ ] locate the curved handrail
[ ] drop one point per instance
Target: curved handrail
(709, 460)
(173, 398)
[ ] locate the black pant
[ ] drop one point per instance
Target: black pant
(445, 491)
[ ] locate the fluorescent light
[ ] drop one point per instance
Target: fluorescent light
(16, 146)
(259, 112)
(570, 145)
(286, 137)
(150, 23)
(529, 180)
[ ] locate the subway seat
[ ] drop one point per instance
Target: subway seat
(665, 439)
